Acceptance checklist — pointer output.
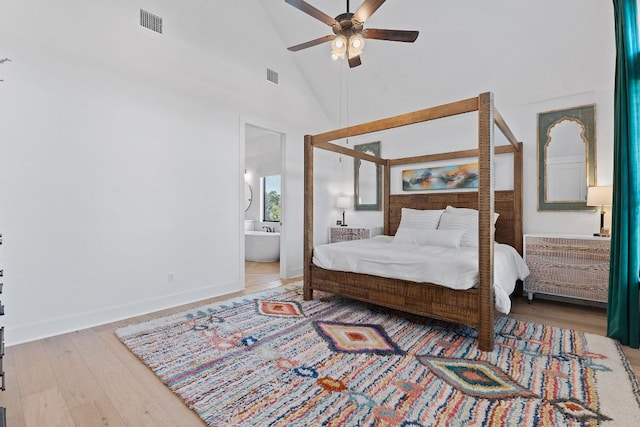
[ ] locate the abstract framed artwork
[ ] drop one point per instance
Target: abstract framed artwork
(441, 178)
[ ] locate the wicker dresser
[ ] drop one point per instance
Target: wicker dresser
(571, 266)
(353, 232)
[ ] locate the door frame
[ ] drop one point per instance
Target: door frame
(270, 128)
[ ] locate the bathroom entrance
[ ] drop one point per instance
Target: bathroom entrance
(263, 205)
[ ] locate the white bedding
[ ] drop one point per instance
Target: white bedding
(456, 268)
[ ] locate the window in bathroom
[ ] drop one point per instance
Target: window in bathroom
(270, 198)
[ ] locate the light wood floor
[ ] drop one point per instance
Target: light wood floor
(89, 378)
(258, 273)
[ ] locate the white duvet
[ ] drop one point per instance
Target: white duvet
(456, 268)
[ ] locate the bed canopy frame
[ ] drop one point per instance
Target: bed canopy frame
(473, 307)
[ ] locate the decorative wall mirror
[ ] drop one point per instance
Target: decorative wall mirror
(248, 196)
(566, 158)
(367, 179)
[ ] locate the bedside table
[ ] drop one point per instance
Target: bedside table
(571, 266)
(352, 232)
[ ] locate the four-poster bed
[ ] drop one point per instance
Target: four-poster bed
(473, 307)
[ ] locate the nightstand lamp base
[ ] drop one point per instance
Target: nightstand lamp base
(343, 202)
(600, 196)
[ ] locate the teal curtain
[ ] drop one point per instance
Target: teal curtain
(623, 312)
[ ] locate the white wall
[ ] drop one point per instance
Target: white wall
(120, 154)
(459, 134)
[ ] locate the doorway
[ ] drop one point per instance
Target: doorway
(263, 222)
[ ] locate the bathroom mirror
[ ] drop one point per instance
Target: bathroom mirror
(566, 158)
(367, 179)
(248, 195)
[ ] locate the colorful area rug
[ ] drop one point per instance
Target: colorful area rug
(272, 359)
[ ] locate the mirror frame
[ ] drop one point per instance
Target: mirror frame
(248, 201)
(585, 116)
(374, 147)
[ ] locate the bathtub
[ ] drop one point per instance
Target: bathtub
(261, 246)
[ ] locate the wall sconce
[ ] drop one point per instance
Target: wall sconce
(343, 202)
(600, 196)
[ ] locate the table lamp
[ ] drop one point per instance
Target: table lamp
(343, 202)
(600, 196)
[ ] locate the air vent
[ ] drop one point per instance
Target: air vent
(272, 76)
(151, 21)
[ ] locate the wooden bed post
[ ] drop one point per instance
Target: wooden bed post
(308, 216)
(386, 193)
(485, 221)
(517, 179)
(517, 198)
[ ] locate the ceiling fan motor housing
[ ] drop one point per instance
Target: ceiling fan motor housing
(345, 25)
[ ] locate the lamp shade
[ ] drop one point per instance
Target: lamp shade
(343, 202)
(600, 196)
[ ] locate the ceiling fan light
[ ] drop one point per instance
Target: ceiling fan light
(339, 46)
(356, 44)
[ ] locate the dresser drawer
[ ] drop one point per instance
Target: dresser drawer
(567, 266)
(343, 234)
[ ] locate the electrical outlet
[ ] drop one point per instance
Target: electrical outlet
(170, 277)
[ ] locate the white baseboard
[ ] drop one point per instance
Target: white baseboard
(294, 272)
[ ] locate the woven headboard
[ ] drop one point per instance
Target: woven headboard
(503, 204)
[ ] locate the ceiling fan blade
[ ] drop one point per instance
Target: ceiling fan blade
(392, 35)
(355, 61)
(312, 11)
(366, 9)
(313, 42)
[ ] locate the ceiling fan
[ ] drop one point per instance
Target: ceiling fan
(348, 30)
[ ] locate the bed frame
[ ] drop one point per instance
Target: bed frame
(473, 307)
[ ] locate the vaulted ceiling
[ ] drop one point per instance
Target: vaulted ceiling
(523, 51)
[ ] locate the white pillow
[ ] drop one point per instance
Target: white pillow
(452, 209)
(468, 211)
(462, 221)
(420, 219)
(442, 238)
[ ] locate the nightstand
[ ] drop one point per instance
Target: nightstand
(352, 232)
(572, 266)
